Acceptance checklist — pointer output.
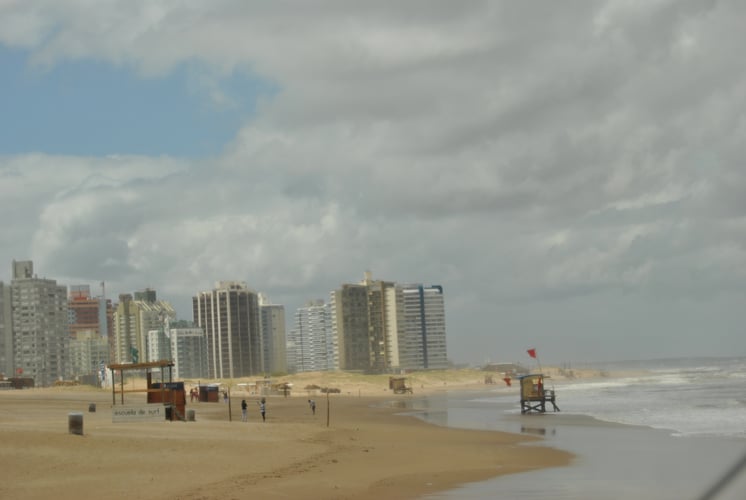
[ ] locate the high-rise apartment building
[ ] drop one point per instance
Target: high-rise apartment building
(311, 344)
(359, 326)
(147, 295)
(421, 328)
(124, 344)
(133, 319)
(382, 326)
(88, 351)
(185, 345)
(350, 327)
(6, 334)
(86, 314)
(39, 318)
(229, 315)
(154, 315)
(272, 325)
(188, 350)
(90, 320)
(159, 344)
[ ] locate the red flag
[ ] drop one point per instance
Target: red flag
(507, 381)
(532, 353)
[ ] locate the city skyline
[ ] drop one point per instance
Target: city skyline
(371, 326)
(570, 173)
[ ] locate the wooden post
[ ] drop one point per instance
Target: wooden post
(327, 407)
(230, 416)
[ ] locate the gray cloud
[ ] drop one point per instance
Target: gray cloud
(570, 172)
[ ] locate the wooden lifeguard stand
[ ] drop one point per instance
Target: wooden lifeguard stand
(534, 397)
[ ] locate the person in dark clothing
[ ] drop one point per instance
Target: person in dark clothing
(262, 408)
(312, 404)
(244, 407)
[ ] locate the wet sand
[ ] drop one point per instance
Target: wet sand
(617, 462)
(612, 461)
(368, 451)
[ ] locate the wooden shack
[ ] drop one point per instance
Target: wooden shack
(399, 385)
(534, 396)
(21, 382)
(171, 394)
(209, 393)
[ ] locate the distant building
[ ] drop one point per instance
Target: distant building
(382, 326)
(182, 343)
(421, 328)
(88, 352)
(147, 295)
(90, 319)
(85, 312)
(272, 326)
(229, 315)
(126, 333)
(154, 314)
(39, 318)
(133, 319)
(159, 344)
(311, 345)
(359, 312)
(188, 351)
(6, 333)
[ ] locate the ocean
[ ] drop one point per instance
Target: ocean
(671, 430)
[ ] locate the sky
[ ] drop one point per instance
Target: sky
(572, 173)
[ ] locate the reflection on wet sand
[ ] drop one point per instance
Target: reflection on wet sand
(539, 431)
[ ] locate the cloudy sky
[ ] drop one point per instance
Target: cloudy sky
(571, 172)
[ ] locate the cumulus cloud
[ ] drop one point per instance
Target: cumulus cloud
(536, 159)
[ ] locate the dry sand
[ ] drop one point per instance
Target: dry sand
(366, 452)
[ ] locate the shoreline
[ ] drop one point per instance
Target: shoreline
(369, 450)
(613, 460)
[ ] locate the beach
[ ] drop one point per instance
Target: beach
(635, 433)
(367, 451)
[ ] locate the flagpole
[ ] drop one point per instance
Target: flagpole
(532, 352)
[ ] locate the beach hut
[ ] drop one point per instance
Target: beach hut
(172, 395)
(168, 393)
(209, 393)
(534, 396)
(399, 385)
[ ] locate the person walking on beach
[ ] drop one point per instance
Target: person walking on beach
(312, 404)
(244, 407)
(262, 408)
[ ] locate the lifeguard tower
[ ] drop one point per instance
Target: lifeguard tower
(534, 397)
